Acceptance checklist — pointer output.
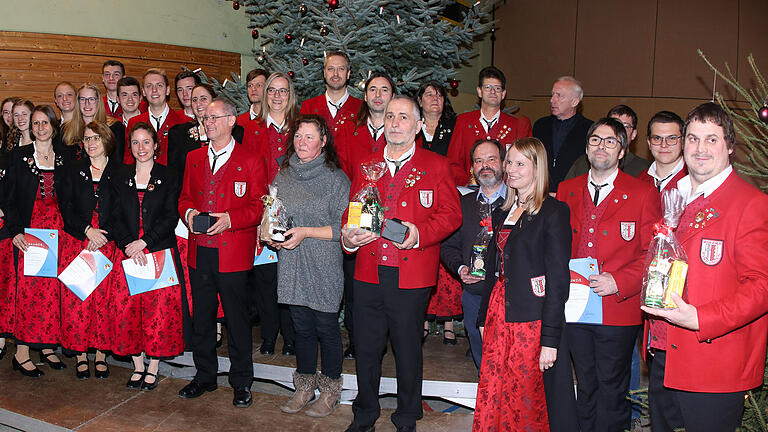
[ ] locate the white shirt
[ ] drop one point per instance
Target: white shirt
(704, 189)
(426, 134)
(402, 159)
(125, 121)
(493, 120)
(665, 180)
(225, 153)
(374, 132)
(110, 103)
(163, 116)
(201, 133)
(605, 190)
(271, 121)
(252, 114)
(332, 107)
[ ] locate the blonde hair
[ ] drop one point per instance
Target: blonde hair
(534, 151)
(291, 110)
(75, 128)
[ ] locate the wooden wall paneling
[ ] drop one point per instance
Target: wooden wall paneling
(614, 47)
(683, 27)
(753, 14)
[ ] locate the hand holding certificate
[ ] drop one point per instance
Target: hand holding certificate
(158, 272)
(41, 257)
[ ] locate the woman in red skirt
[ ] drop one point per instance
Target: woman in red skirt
(7, 269)
(36, 173)
(522, 316)
(88, 324)
(143, 219)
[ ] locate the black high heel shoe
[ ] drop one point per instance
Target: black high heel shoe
(82, 374)
(100, 374)
(149, 386)
(31, 373)
(449, 341)
(59, 365)
(135, 383)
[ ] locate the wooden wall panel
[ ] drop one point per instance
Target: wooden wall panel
(32, 63)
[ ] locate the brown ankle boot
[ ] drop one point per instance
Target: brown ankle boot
(305, 391)
(330, 393)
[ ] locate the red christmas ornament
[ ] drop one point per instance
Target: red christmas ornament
(236, 5)
(291, 74)
(332, 5)
(762, 113)
(305, 61)
(288, 38)
(454, 83)
(255, 34)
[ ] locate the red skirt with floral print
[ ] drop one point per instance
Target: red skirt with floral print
(7, 287)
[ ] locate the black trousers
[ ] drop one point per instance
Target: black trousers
(671, 409)
(349, 283)
(207, 281)
(273, 317)
(602, 356)
(558, 389)
(380, 309)
(312, 327)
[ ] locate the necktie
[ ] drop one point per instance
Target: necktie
(489, 124)
(157, 122)
(597, 191)
(659, 182)
(337, 106)
(397, 165)
(375, 131)
(215, 158)
(112, 106)
(278, 128)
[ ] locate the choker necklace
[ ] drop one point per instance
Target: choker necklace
(95, 167)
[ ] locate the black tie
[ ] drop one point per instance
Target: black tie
(215, 158)
(397, 165)
(337, 106)
(597, 191)
(157, 122)
(278, 129)
(489, 124)
(375, 131)
(113, 106)
(659, 182)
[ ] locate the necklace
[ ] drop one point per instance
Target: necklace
(46, 156)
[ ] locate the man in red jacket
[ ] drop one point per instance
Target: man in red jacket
(665, 140)
(393, 280)
(612, 214)
(336, 102)
(713, 349)
(254, 83)
(227, 182)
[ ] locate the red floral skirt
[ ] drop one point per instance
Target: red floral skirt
(7, 288)
(510, 393)
(445, 301)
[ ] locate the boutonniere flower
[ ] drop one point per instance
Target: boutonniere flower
(194, 133)
(702, 217)
(413, 177)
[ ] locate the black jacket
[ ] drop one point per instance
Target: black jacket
(78, 211)
(5, 201)
(159, 208)
(442, 137)
(575, 145)
(539, 245)
(118, 130)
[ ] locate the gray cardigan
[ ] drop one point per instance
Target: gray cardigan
(314, 195)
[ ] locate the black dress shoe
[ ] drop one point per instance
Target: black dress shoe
(349, 353)
(406, 429)
(82, 374)
(243, 398)
(135, 383)
(289, 349)
(149, 386)
(101, 374)
(449, 341)
(55, 365)
(354, 427)
(267, 347)
(31, 373)
(196, 389)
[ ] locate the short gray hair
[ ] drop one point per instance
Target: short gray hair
(229, 106)
(575, 83)
(416, 109)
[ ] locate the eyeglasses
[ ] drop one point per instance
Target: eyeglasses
(669, 140)
(272, 91)
(213, 118)
(608, 142)
(90, 138)
(492, 88)
(90, 100)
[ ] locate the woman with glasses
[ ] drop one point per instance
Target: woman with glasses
(143, 219)
(87, 216)
(89, 107)
(21, 130)
(37, 175)
(278, 112)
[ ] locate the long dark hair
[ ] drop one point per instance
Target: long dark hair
(363, 112)
(331, 157)
(52, 119)
(448, 112)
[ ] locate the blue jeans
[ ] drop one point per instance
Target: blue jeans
(471, 305)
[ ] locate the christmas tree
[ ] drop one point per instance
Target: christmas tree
(408, 39)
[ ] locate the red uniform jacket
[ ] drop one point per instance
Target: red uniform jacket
(431, 203)
(319, 106)
(172, 119)
(240, 192)
(469, 129)
(355, 145)
(623, 235)
(118, 114)
(184, 115)
(670, 184)
(245, 121)
(728, 285)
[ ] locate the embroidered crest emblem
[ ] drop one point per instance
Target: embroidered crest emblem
(538, 286)
(711, 251)
(240, 189)
(628, 230)
(426, 198)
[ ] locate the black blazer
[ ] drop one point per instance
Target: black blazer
(23, 180)
(78, 211)
(5, 202)
(159, 208)
(181, 142)
(539, 245)
(118, 130)
(575, 145)
(442, 137)
(456, 250)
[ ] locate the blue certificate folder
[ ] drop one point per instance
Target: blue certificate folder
(85, 273)
(583, 305)
(42, 256)
(267, 256)
(159, 272)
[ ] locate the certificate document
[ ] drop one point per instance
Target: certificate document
(583, 305)
(42, 256)
(85, 273)
(159, 272)
(264, 256)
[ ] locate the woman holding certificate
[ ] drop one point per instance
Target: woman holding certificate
(36, 174)
(88, 324)
(314, 192)
(143, 219)
(523, 314)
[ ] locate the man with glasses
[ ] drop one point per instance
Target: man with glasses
(111, 72)
(336, 103)
(612, 214)
(665, 139)
(159, 115)
(225, 181)
(486, 123)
